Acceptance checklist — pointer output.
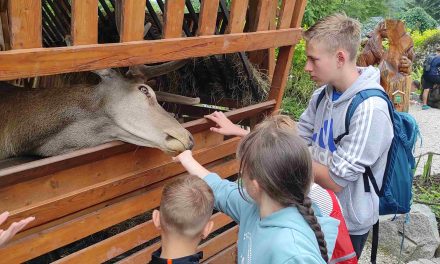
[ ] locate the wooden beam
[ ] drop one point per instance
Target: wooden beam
(36, 62)
(25, 21)
(286, 13)
(84, 22)
(208, 17)
(228, 255)
(173, 18)
(132, 20)
(237, 18)
(284, 61)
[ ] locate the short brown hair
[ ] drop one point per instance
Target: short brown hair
(186, 206)
(336, 31)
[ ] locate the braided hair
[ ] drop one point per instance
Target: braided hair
(279, 160)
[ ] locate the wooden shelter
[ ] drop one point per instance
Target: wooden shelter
(76, 195)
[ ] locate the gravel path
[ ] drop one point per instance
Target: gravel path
(429, 123)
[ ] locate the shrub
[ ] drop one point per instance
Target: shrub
(417, 19)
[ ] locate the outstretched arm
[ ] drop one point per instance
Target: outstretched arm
(226, 194)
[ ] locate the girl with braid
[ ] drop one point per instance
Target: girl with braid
(278, 223)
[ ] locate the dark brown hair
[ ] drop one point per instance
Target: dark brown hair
(279, 160)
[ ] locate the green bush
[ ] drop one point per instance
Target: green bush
(417, 19)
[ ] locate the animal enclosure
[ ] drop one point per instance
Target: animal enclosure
(76, 195)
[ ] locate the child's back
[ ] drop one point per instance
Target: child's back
(278, 223)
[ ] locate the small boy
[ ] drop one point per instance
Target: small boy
(185, 209)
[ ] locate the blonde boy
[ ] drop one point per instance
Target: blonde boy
(340, 161)
(185, 209)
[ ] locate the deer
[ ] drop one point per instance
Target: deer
(56, 120)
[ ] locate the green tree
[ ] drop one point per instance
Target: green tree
(417, 19)
(432, 7)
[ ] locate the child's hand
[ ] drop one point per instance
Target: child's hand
(14, 228)
(190, 164)
(224, 125)
(184, 157)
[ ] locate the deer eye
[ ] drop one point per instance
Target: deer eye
(144, 90)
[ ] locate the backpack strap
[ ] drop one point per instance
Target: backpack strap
(357, 100)
(320, 97)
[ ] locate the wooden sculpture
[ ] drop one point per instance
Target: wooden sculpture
(394, 63)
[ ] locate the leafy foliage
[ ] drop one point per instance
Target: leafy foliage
(432, 7)
(417, 19)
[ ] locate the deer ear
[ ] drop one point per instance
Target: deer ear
(106, 73)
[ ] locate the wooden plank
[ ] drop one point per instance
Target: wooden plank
(173, 18)
(122, 242)
(209, 248)
(132, 20)
(208, 17)
(25, 20)
(237, 17)
(298, 13)
(84, 28)
(263, 16)
(90, 195)
(69, 231)
(286, 13)
(284, 61)
(28, 63)
(4, 18)
(236, 115)
(228, 255)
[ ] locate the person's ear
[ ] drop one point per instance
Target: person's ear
(207, 229)
(341, 57)
(156, 219)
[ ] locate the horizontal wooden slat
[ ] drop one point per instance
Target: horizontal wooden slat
(173, 18)
(25, 18)
(65, 204)
(32, 62)
(47, 240)
(122, 242)
(236, 115)
(132, 20)
(237, 18)
(209, 248)
(84, 22)
(228, 255)
(208, 17)
(53, 164)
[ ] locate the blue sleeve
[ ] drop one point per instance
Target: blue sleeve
(227, 196)
(304, 258)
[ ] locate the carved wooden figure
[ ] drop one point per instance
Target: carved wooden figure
(394, 63)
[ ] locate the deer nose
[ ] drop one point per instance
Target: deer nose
(185, 140)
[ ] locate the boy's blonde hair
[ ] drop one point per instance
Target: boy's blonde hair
(186, 206)
(336, 31)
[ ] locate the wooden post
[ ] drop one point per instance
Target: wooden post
(25, 20)
(173, 21)
(285, 55)
(208, 17)
(237, 18)
(84, 22)
(132, 20)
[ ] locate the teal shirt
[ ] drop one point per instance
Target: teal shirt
(282, 237)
